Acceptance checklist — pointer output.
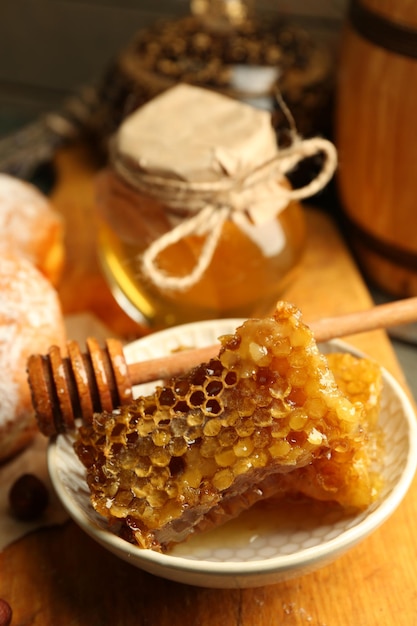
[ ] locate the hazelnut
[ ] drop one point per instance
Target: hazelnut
(5, 613)
(28, 498)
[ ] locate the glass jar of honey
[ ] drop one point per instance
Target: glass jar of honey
(195, 217)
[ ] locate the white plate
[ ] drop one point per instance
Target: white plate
(262, 546)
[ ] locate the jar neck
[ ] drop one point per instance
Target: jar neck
(221, 14)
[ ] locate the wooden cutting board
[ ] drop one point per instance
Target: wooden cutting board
(61, 577)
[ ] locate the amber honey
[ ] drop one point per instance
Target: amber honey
(275, 516)
(249, 271)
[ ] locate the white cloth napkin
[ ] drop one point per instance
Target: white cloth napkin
(30, 461)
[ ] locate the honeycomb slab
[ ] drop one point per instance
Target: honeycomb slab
(263, 418)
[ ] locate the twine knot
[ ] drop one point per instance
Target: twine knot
(207, 205)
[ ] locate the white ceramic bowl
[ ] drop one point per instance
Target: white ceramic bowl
(260, 547)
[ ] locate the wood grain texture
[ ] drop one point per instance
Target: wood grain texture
(375, 129)
(400, 11)
(61, 576)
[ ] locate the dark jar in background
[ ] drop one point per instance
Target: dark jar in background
(230, 47)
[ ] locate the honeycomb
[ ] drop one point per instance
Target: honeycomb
(207, 445)
(360, 380)
(346, 475)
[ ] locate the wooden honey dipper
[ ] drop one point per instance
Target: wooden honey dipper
(77, 385)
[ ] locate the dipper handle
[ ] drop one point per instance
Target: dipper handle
(82, 383)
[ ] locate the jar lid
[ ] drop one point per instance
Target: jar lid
(194, 134)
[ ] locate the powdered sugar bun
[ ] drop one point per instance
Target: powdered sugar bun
(29, 224)
(30, 322)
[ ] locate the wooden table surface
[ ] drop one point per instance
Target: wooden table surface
(61, 577)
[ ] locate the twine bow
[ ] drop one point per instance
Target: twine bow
(210, 204)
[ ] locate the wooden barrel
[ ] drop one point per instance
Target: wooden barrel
(376, 136)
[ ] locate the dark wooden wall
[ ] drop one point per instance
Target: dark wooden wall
(50, 47)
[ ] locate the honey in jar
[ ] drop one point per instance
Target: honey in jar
(195, 217)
